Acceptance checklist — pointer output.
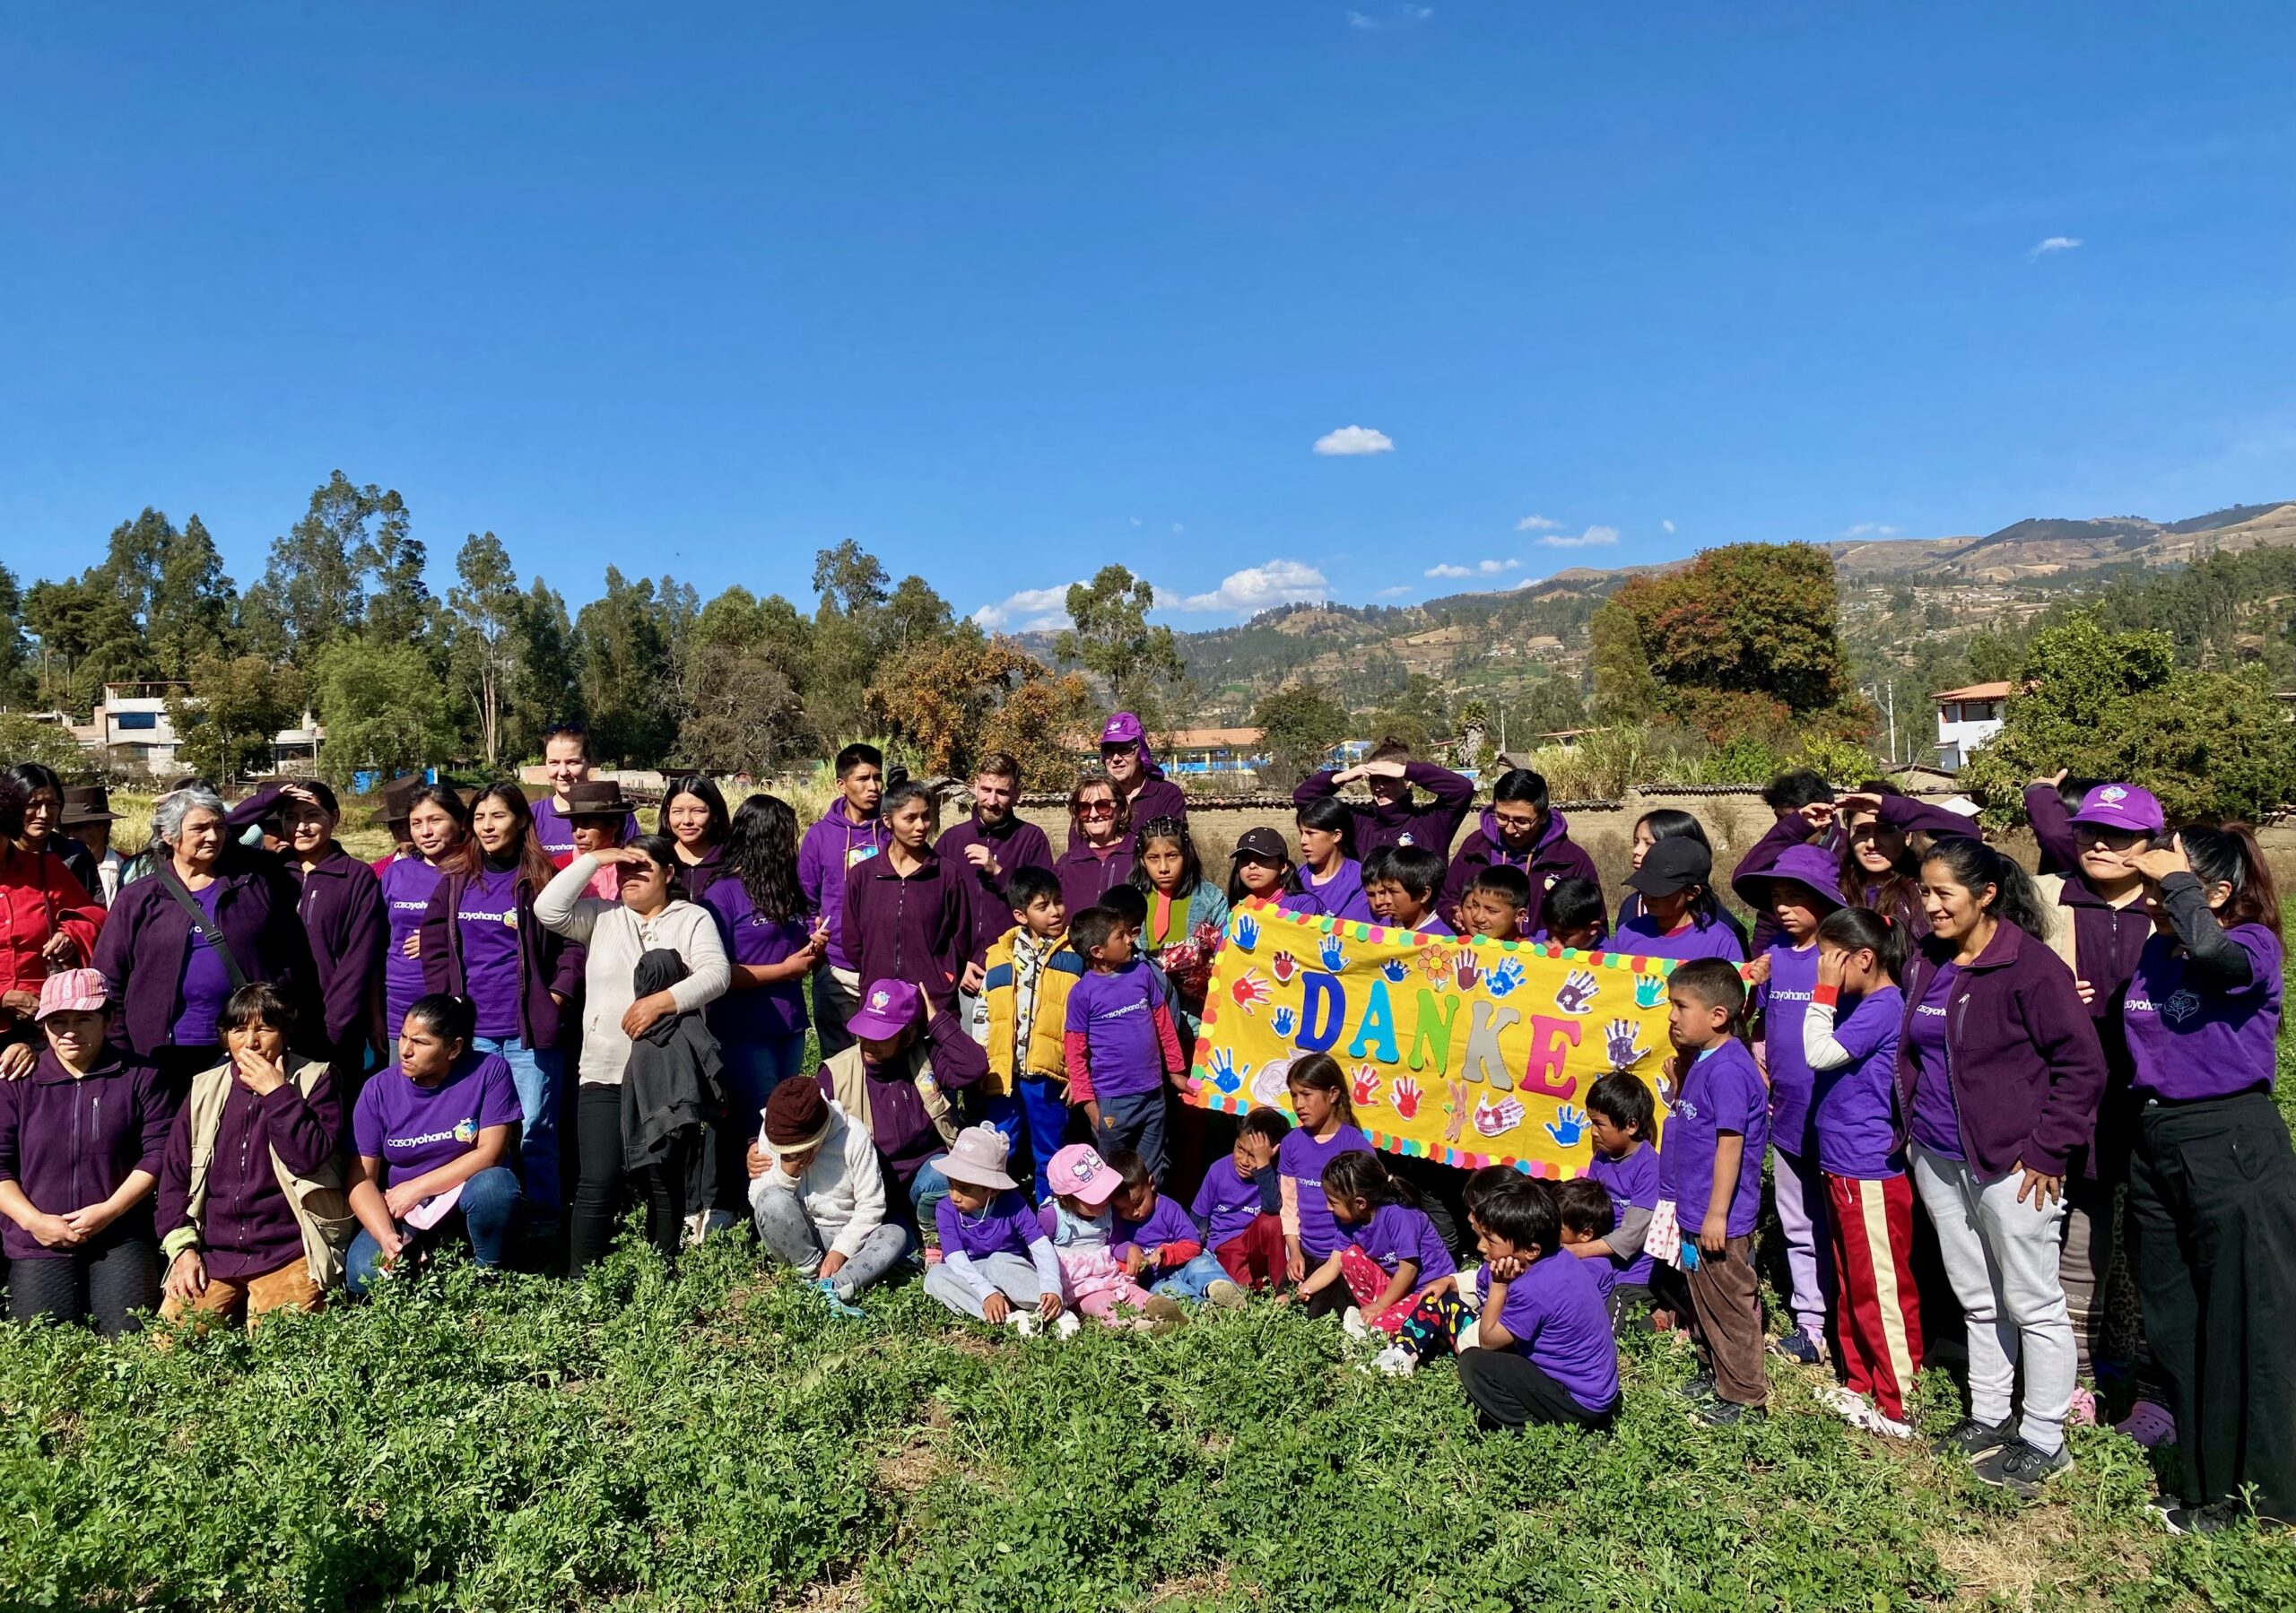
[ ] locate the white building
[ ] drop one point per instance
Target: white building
(130, 732)
(1967, 718)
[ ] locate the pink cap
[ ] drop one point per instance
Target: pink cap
(72, 992)
(1078, 1171)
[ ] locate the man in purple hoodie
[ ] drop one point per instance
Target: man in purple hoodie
(1520, 829)
(1131, 766)
(848, 833)
(983, 850)
(1395, 817)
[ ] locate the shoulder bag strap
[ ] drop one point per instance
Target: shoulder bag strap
(204, 924)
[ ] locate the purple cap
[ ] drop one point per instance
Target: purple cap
(1803, 864)
(1122, 729)
(888, 1008)
(2122, 807)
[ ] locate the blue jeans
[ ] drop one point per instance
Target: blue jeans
(1044, 1106)
(1134, 1120)
(927, 1189)
(753, 1069)
(1192, 1281)
(483, 1216)
(535, 1071)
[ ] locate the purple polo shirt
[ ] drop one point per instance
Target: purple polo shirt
(1301, 1158)
(1641, 938)
(1166, 1222)
(489, 916)
(414, 1129)
(1555, 1313)
(1723, 1092)
(1937, 1116)
(555, 831)
(764, 1013)
(1116, 1014)
(408, 885)
(1397, 1233)
(207, 984)
(2189, 1039)
(1340, 894)
(1007, 1227)
(1854, 1109)
(1227, 1202)
(1633, 1182)
(1781, 1000)
(70, 1141)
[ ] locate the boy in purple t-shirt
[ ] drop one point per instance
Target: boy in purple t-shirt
(1121, 1041)
(1710, 1164)
(1547, 1354)
(1622, 1116)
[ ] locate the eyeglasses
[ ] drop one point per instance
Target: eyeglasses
(1096, 808)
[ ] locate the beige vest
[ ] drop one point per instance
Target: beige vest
(849, 1086)
(320, 1206)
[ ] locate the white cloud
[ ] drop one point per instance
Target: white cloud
(1871, 529)
(1031, 611)
(1593, 537)
(1669, 525)
(1258, 587)
(2055, 243)
(1535, 524)
(1357, 19)
(1480, 568)
(1135, 520)
(1350, 440)
(1399, 589)
(1418, 14)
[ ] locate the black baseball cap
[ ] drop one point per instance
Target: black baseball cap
(1263, 842)
(1670, 865)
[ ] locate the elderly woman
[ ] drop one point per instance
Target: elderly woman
(212, 917)
(48, 921)
(1099, 857)
(341, 905)
(617, 935)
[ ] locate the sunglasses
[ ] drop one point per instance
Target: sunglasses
(1096, 808)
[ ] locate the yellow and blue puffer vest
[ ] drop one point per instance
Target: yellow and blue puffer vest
(1046, 1053)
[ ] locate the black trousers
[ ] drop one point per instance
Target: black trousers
(599, 1189)
(2213, 1189)
(1511, 1391)
(108, 1284)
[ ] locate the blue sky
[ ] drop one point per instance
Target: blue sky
(1005, 291)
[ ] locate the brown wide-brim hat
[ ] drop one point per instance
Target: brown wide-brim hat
(86, 803)
(595, 798)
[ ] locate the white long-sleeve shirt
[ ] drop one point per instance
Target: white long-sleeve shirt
(842, 1191)
(617, 939)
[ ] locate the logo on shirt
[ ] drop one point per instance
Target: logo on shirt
(466, 1130)
(860, 854)
(2182, 1005)
(880, 1000)
(1406, 840)
(509, 916)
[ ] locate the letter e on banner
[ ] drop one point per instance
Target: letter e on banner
(1551, 1040)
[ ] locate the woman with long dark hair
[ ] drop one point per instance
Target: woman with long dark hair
(48, 922)
(1329, 879)
(438, 823)
(1671, 823)
(43, 825)
(694, 816)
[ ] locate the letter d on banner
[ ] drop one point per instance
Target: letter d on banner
(1323, 1010)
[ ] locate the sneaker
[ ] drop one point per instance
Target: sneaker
(1023, 1322)
(1729, 1414)
(1839, 1398)
(1699, 1386)
(1353, 1321)
(2083, 1407)
(1874, 1420)
(2179, 1519)
(1067, 1325)
(1971, 1439)
(932, 1256)
(2022, 1470)
(1396, 1361)
(1163, 1312)
(1226, 1295)
(838, 1305)
(1798, 1346)
(2149, 1424)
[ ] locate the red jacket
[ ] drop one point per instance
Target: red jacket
(38, 897)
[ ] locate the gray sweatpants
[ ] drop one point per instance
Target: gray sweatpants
(1015, 1276)
(790, 1235)
(2002, 1258)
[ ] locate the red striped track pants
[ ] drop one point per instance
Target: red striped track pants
(1878, 1324)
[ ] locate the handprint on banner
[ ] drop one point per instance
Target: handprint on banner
(1622, 1044)
(1285, 965)
(1455, 1105)
(1271, 1085)
(1226, 1074)
(1577, 994)
(1282, 1022)
(1650, 990)
(1335, 955)
(1405, 1097)
(1491, 1119)
(1249, 991)
(1245, 930)
(1501, 980)
(1465, 969)
(1365, 1088)
(1568, 1126)
(1395, 971)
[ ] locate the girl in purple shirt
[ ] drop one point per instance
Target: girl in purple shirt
(1677, 916)
(2212, 1183)
(1326, 1128)
(1387, 1246)
(437, 821)
(1328, 880)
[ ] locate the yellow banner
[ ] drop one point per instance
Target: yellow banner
(1472, 1052)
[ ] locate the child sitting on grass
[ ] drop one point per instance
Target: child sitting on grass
(1083, 1229)
(1237, 1213)
(1326, 1129)
(1402, 883)
(1494, 905)
(1444, 1317)
(1546, 1353)
(993, 1251)
(1389, 1248)
(1574, 914)
(1155, 1241)
(1588, 1218)
(1622, 1116)
(1710, 1167)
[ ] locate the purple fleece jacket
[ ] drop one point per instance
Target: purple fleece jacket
(830, 849)
(1411, 821)
(910, 929)
(1014, 844)
(248, 1228)
(147, 935)
(69, 1143)
(340, 904)
(2022, 1053)
(1555, 856)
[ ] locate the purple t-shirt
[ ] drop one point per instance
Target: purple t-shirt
(1632, 1184)
(1396, 1233)
(1227, 1202)
(1302, 1158)
(1641, 938)
(1166, 1222)
(1555, 1313)
(1781, 1000)
(1936, 1116)
(1008, 1225)
(1340, 896)
(765, 1013)
(407, 886)
(207, 984)
(1723, 1092)
(1117, 1014)
(2196, 1040)
(414, 1129)
(1854, 1110)
(555, 831)
(489, 918)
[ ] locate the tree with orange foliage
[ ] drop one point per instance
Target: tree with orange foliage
(971, 695)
